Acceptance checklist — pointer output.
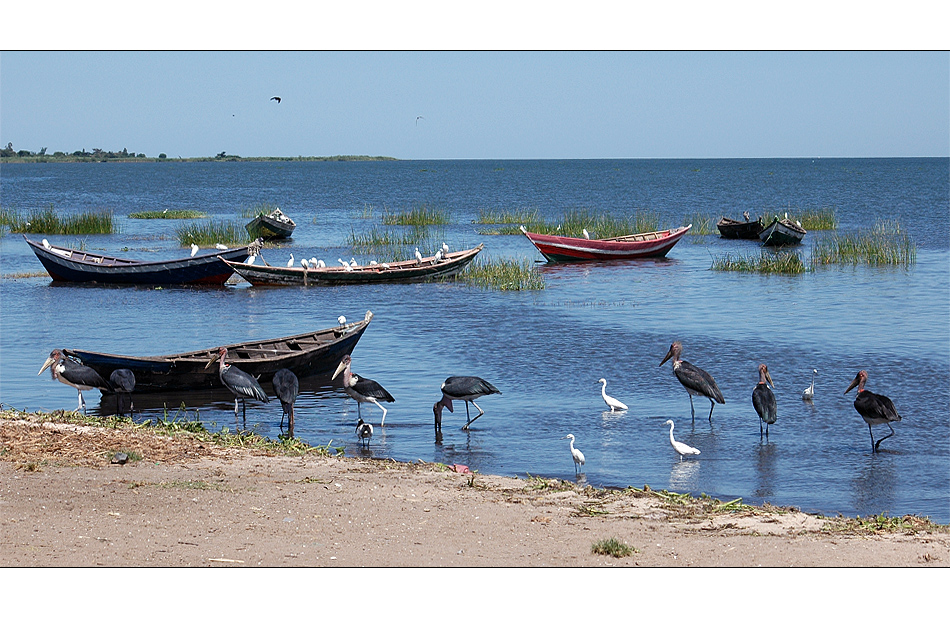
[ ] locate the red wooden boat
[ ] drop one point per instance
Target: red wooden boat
(570, 249)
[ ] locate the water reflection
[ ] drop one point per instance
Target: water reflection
(765, 470)
(684, 476)
(874, 485)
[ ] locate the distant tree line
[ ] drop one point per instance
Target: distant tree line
(95, 154)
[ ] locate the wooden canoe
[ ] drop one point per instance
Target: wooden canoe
(746, 230)
(782, 232)
(408, 271)
(273, 226)
(308, 354)
(75, 266)
(570, 249)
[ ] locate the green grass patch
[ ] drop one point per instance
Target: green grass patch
(255, 210)
(767, 263)
(168, 214)
(420, 215)
(502, 274)
(613, 547)
(46, 221)
(377, 238)
(602, 225)
(702, 224)
(814, 219)
(523, 216)
(210, 233)
(885, 245)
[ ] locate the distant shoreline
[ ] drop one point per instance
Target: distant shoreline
(232, 158)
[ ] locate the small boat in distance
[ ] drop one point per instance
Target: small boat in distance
(307, 354)
(745, 230)
(570, 249)
(273, 226)
(782, 232)
(77, 266)
(407, 271)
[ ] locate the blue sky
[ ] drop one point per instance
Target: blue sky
(480, 105)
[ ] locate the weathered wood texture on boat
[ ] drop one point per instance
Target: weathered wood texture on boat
(75, 266)
(782, 232)
(569, 249)
(307, 354)
(408, 271)
(744, 230)
(273, 226)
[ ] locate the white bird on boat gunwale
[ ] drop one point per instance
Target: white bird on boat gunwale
(290, 262)
(194, 249)
(615, 404)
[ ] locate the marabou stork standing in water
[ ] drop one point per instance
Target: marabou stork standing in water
(286, 388)
(463, 388)
(695, 380)
(364, 431)
(123, 383)
(73, 374)
(362, 389)
(238, 382)
(874, 409)
(763, 400)
(576, 454)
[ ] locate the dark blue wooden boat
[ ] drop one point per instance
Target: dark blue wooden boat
(782, 232)
(273, 226)
(307, 354)
(748, 229)
(76, 266)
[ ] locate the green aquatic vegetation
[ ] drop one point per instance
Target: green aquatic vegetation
(376, 238)
(523, 216)
(502, 274)
(613, 547)
(420, 215)
(253, 211)
(767, 263)
(210, 233)
(46, 221)
(885, 245)
(815, 219)
(602, 225)
(702, 224)
(168, 214)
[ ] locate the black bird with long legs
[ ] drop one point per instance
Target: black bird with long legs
(462, 388)
(243, 385)
(286, 388)
(874, 409)
(74, 374)
(123, 383)
(694, 380)
(362, 389)
(763, 400)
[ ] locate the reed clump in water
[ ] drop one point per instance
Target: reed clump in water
(815, 219)
(574, 222)
(210, 233)
(502, 274)
(376, 238)
(46, 221)
(766, 263)
(702, 224)
(522, 216)
(420, 215)
(254, 211)
(884, 245)
(168, 214)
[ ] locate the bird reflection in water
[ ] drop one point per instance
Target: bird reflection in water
(684, 475)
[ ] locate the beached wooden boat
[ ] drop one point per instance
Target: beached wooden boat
(308, 354)
(747, 230)
(76, 266)
(273, 226)
(782, 232)
(570, 249)
(408, 271)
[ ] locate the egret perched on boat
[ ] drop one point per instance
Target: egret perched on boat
(290, 262)
(575, 453)
(304, 264)
(353, 262)
(462, 388)
(123, 383)
(373, 263)
(445, 248)
(418, 256)
(364, 431)
(615, 404)
(874, 409)
(362, 389)
(437, 257)
(694, 380)
(194, 249)
(250, 259)
(286, 387)
(320, 264)
(763, 400)
(345, 264)
(74, 374)
(241, 384)
(679, 447)
(586, 234)
(220, 247)
(342, 320)
(48, 246)
(809, 393)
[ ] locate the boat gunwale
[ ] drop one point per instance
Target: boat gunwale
(620, 241)
(124, 263)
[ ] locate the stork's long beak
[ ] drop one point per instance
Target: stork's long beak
(668, 356)
(213, 360)
(854, 383)
(49, 361)
(339, 370)
(768, 378)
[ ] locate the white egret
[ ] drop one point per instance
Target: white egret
(345, 264)
(615, 404)
(438, 257)
(586, 234)
(290, 262)
(373, 263)
(809, 393)
(47, 245)
(679, 447)
(220, 247)
(304, 264)
(418, 256)
(194, 249)
(575, 453)
(445, 248)
(342, 320)
(353, 262)
(321, 264)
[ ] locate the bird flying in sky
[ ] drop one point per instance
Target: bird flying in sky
(275, 99)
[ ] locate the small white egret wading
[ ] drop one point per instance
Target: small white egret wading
(615, 404)
(679, 447)
(575, 453)
(809, 393)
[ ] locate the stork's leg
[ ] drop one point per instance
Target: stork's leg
(480, 413)
(760, 427)
(236, 424)
(711, 408)
(691, 408)
(382, 422)
(290, 422)
(878, 445)
(82, 402)
(873, 448)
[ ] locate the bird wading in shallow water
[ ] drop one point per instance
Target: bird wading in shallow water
(362, 389)
(576, 454)
(694, 380)
(123, 383)
(763, 400)
(809, 393)
(614, 404)
(241, 384)
(462, 388)
(286, 387)
(364, 431)
(874, 409)
(74, 374)
(679, 447)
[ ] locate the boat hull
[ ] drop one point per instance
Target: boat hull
(569, 249)
(780, 233)
(75, 266)
(269, 228)
(741, 230)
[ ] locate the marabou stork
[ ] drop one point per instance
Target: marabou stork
(73, 374)
(576, 454)
(763, 399)
(874, 409)
(679, 447)
(695, 380)
(809, 393)
(615, 404)
(462, 388)
(364, 431)
(238, 382)
(362, 389)
(286, 388)
(123, 383)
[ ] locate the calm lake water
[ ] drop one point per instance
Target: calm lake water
(544, 350)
